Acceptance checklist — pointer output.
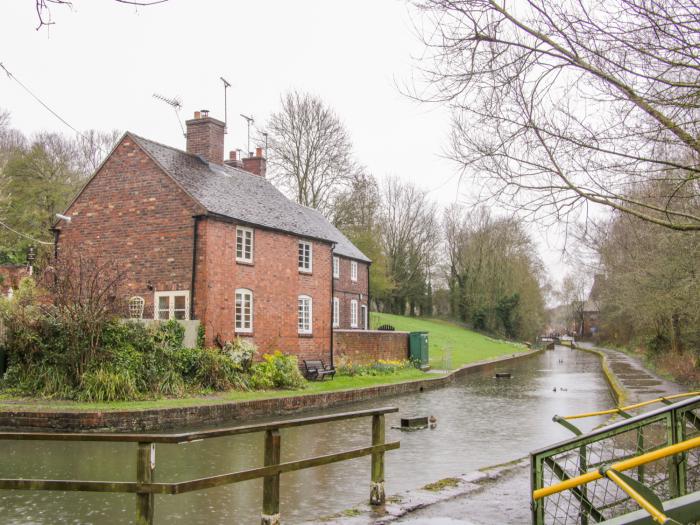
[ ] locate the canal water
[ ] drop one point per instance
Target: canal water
(481, 421)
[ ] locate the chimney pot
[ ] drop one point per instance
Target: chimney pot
(232, 155)
(258, 152)
(197, 114)
(205, 113)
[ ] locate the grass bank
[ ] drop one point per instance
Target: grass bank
(339, 383)
(449, 343)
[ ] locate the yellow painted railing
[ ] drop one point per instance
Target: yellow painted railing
(620, 466)
(613, 471)
(630, 407)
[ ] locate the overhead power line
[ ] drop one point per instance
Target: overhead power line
(24, 234)
(35, 97)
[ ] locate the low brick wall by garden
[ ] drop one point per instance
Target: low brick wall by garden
(368, 346)
(231, 413)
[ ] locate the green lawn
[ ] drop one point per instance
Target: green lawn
(449, 340)
(313, 387)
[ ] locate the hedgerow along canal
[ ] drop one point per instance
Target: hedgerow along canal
(481, 421)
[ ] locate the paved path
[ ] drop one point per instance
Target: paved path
(506, 499)
(640, 383)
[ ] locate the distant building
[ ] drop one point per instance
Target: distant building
(591, 309)
(214, 240)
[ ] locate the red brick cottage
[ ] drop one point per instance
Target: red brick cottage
(216, 241)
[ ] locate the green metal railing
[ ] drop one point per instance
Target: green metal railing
(602, 499)
(145, 486)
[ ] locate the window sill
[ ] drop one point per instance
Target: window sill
(305, 272)
(306, 335)
(245, 263)
(244, 334)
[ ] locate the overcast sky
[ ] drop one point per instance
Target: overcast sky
(100, 63)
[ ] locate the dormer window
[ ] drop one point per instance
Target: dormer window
(244, 244)
(305, 257)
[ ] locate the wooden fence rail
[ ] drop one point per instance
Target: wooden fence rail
(145, 487)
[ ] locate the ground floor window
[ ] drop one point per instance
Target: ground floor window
(304, 314)
(244, 311)
(365, 321)
(353, 314)
(172, 305)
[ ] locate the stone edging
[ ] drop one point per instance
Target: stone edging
(618, 389)
(212, 414)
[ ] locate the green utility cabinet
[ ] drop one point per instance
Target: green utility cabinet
(418, 348)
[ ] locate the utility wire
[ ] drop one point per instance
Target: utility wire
(59, 117)
(24, 234)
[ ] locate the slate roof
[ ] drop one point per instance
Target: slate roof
(343, 245)
(243, 196)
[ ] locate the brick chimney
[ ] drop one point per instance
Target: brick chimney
(233, 160)
(256, 163)
(205, 137)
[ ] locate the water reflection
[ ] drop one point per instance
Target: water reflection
(481, 421)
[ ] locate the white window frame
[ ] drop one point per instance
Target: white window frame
(242, 231)
(171, 304)
(244, 327)
(336, 312)
(336, 267)
(305, 327)
(301, 259)
(353, 314)
(353, 271)
(363, 310)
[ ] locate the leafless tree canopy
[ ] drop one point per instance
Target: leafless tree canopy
(560, 103)
(43, 8)
(310, 151)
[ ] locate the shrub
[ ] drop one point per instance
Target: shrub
(103, 385)
(170, 334)
(277, 371)
(241, 352)
(217, 371)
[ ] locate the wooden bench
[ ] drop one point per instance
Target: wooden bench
(316, 370)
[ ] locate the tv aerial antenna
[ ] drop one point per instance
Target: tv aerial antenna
(227, 85)
(250, 120)
(175, 103)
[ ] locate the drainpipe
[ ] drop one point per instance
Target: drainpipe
(194, 264)
(369, 297)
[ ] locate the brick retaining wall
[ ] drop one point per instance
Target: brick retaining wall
(226, 413)
(368, 346)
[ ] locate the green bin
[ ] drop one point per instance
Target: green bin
(418, 348)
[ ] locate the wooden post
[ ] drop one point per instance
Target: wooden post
(271, 484)
(145, 465)
(376, 491)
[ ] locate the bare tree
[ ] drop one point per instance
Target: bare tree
(43, 8)
(93, 146)
(310, 152)
(410, 235)
(562, 103)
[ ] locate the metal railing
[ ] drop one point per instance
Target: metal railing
(633, 488)
(601, 498)
(145, 487)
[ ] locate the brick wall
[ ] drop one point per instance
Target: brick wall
(345, 289)
(369, 346)
(133, 213)
(276, 283)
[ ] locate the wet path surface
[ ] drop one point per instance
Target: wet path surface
(506, 500)
(482, 421)
(640, 383)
